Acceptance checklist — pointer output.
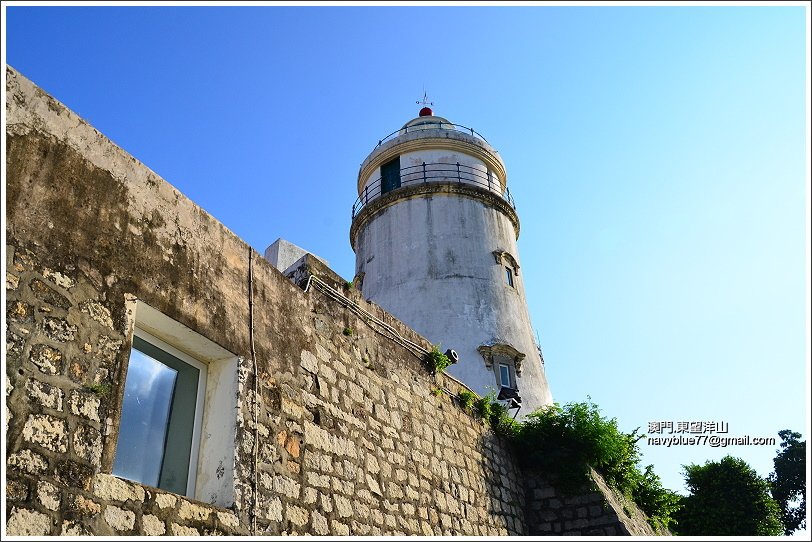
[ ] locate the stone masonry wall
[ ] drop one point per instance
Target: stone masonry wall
(598, 512)
(355, 436)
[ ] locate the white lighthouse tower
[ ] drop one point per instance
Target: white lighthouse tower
(434, 232)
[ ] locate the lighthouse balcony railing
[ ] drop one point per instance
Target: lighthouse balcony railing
(431, 173)
(431, 126)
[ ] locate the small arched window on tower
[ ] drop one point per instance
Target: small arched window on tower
(506, 363)
(510, 267)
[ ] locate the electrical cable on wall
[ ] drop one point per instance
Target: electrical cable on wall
(391, 333)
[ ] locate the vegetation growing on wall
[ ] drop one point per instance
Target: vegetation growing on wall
(99, 389)
(727, 497)
(437, 360)
(483, 406)
(466, 399)
(564, 441)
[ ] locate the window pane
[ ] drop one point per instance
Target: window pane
(504, 376)
(148, 394)
(509, 276)
(175, 471)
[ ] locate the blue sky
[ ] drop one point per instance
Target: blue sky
(657, 156)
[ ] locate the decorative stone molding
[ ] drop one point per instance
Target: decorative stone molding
(505, 258)
(488, 351)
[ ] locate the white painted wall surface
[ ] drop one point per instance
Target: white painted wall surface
(429, 261)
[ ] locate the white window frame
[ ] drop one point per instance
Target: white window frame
(510, 376)
(214, 447)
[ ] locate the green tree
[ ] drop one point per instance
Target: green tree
(727, 498)
(788, 482)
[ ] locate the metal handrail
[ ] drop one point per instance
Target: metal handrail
(437, 172)
(429, 126)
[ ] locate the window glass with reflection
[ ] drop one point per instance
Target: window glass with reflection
(157, 419)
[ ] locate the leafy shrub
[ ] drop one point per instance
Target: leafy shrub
(491, 411)
(437, 360)
(658, 503)
(566, 440)
(500, 419)
(466, 399)
(483, 407)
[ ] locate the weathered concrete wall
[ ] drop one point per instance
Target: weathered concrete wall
(348, 432)
(429, 261)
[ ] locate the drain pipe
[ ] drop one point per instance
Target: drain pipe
(255, 370)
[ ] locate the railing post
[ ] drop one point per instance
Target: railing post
(424, 172)
(489, 181)
(366, 194)
(459, 178)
